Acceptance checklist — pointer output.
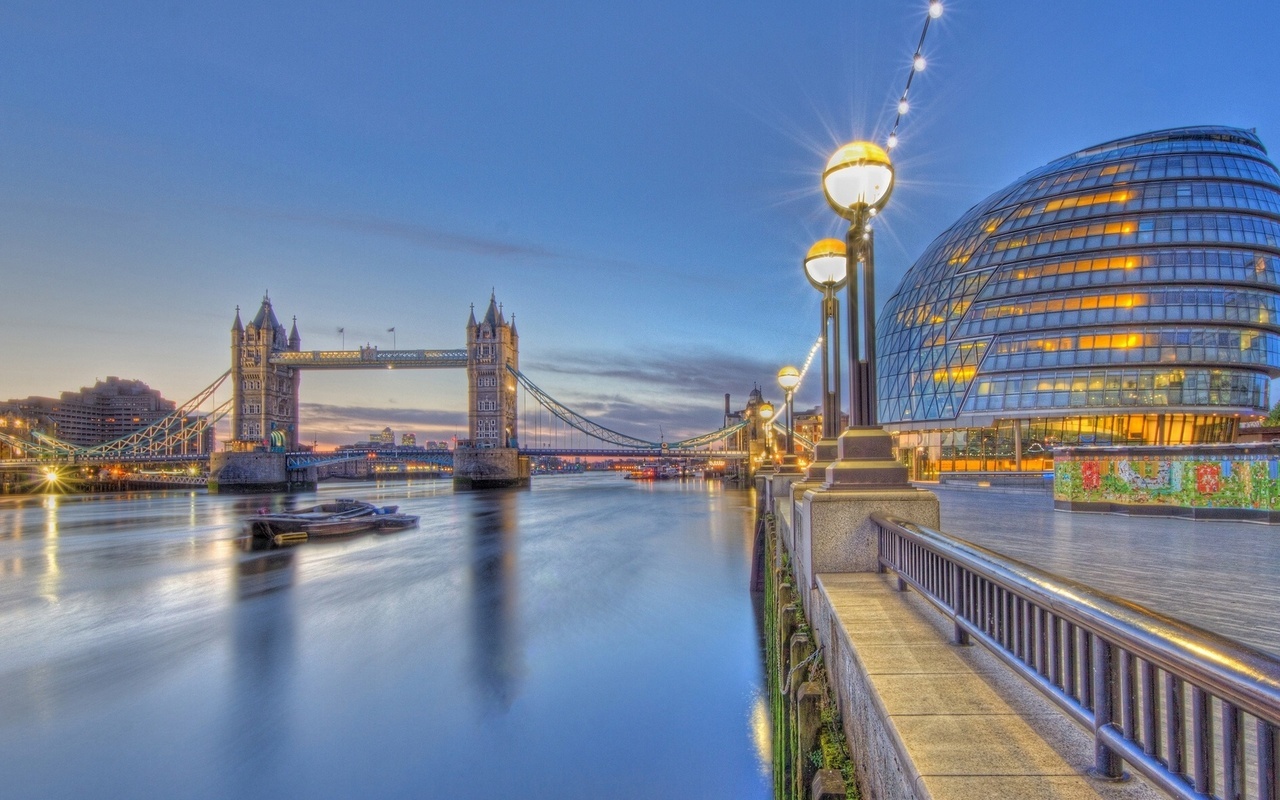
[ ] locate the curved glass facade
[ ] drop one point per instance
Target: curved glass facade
(1138, 278)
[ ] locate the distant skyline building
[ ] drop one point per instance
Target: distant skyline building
(107, 411)
(1124, 294)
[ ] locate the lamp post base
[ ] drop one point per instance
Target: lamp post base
(866, 462)
(824, 453)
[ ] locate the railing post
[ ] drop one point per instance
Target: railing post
(959, 635)
(1201, 740)
(1232, 753)
(1268, 755)
(1106, 762)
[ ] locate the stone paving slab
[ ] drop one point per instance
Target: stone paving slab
(1039, 787)
(965, 726)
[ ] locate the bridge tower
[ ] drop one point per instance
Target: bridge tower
(265, 408)
(492, 344)
(490, 458)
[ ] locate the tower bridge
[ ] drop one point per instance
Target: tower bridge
(266, 370)
(265, 376)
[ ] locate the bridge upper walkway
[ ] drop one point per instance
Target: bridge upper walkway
(371, 358)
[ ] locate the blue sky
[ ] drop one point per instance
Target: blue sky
(638, 181)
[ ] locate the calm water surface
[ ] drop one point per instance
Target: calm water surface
(1222, 576)
(591, 637)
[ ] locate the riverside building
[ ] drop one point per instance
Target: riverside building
(1124, 294)
(94, 415)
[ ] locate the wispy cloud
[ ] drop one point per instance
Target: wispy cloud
(415, 233)
(453, 241)
(691, 374)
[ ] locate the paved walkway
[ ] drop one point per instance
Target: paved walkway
(951, 723)
(1222, 576)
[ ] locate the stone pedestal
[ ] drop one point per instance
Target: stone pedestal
(489, 468)
(824, 452)
(837, 534)
(866, 460)
(833, 528)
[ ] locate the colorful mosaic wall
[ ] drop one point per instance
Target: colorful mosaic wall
(1210, 477)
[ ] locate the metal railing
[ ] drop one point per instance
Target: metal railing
(1171, 699)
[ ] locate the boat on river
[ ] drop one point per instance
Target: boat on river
(337, 518)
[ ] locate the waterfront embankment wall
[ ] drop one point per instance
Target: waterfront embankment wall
(923, 718)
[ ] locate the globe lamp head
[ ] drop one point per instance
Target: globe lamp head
(827, 265)
(788, 378)
(857, 178)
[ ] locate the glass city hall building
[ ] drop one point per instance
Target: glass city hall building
(1125, 294)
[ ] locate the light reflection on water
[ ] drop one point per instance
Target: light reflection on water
(593, 636)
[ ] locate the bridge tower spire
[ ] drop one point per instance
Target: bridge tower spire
(492, 346)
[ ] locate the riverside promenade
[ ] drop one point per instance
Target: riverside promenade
(927, 719)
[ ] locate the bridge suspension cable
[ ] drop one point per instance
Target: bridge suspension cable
(160, 437)
(597, 431)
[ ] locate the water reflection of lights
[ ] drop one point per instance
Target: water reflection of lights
(52, 578)
(762, 735)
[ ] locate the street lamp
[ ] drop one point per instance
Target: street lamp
(827, 268)
(857, 183)
(766, 416)
(789, 379)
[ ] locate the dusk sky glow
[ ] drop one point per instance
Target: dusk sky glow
(637, 182)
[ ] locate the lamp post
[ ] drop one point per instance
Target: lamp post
(789, 378)
(766, 416)
(857, 182)
(826, 265)
(827, 268)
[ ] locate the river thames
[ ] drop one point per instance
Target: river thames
(591, 637)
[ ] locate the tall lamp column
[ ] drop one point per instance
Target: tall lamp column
(857, 182)
(826, 266)
(789, 379)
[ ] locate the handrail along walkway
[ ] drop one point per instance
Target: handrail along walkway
(1150, 687)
